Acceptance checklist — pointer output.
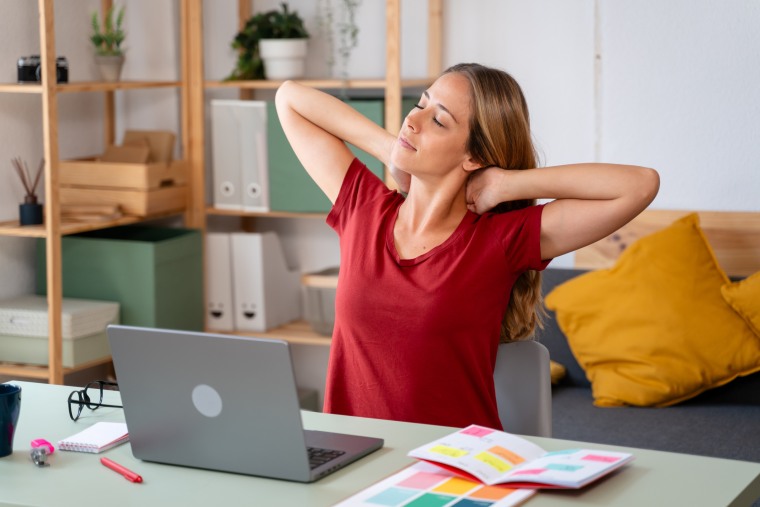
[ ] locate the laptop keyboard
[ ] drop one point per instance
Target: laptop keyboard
(319, 456)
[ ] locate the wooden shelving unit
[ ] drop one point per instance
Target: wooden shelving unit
(192, 86)
(391, 84)
(350, 84)
(54, 228)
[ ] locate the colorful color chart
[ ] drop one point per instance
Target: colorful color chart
(425, 485)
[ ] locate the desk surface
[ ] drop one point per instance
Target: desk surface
(78, 479)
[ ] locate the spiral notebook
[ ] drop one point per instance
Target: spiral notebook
(97, 438)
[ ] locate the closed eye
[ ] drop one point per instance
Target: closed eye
(435, 120)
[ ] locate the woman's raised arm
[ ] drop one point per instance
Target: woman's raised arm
(591, 200)
(318, 125)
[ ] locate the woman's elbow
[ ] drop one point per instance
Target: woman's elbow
(649, 185)
(283, 92)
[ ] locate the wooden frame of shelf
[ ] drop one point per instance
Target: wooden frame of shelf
(88, 86)
(273, 214)
(54, 228)
(12, 228)
(392, 84)
(351, 84)
(40, 372)
(299, 332)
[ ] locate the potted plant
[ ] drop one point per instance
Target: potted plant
(346, 29)
(107, 42)
(272, 45)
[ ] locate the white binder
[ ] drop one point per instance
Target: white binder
(267, 293)
(239, 149)
(219, 305)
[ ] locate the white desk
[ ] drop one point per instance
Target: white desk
(78, 479)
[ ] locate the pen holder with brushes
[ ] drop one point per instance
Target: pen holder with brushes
(30, 211)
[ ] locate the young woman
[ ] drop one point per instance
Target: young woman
(430, 282)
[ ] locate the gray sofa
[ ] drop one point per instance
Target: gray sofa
(723, 422)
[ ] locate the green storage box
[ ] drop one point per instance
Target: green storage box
(155, 273)
(290, 186)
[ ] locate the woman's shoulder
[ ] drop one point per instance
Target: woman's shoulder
(362, 191)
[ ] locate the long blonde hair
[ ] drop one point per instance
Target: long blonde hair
(500, 136)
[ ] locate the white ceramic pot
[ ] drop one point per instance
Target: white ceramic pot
(283, 58)
(109, 67)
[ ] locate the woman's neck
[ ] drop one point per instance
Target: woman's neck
(428, 216)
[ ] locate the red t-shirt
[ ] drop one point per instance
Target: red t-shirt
(416, 339)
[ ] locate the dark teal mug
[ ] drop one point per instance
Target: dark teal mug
(10, 407)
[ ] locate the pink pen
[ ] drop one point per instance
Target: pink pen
(128, 474)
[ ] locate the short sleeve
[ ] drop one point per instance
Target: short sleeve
(522, 238)
(359, 186)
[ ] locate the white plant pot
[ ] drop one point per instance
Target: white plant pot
(283, 58)
(109, 67)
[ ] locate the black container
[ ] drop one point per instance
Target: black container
(30, 214)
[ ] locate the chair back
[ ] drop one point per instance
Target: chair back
(522, 378)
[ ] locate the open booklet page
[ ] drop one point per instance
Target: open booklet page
(496, 457)
(423, 484)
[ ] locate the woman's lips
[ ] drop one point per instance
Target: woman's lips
(404, 143)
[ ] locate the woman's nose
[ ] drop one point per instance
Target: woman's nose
(411, 121)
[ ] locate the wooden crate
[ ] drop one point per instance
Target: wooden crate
(132, 201)
(94, 173)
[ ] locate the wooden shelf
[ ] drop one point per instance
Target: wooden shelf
(273, 214)
(299, 332)
(20, 88)
(351, 84)
(41, 372)
(88, 86)
(12, 227)
(102, 86)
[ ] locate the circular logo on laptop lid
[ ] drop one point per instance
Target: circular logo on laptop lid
(207, 401)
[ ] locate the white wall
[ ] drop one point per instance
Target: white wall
(672, 85)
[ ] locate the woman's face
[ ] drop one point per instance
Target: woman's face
(433, 137)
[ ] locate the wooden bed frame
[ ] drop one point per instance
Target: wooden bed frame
(733, 236)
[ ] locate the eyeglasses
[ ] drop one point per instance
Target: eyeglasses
(82, 398)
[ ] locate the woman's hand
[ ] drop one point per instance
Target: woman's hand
(486, 188)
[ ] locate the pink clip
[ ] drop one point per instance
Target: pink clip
(41, 442)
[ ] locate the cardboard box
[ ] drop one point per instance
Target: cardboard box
(91, 172)
(160, 143)
(132, 202)
(155, 273)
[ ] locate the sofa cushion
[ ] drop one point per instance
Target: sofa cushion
(744, 297)
(654, 329)
(552, 337)
(721, 431)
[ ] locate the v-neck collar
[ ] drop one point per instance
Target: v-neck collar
(390, 242)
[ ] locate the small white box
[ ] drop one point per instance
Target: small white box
(28, 316)
(34, 349)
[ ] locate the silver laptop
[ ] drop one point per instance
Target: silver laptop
(221, 402)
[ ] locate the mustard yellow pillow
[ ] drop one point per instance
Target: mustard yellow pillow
(744, 297)
(654, 329)
(557, 371)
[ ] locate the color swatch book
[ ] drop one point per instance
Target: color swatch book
(495, 457)
(96, 438)
(426, 485)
